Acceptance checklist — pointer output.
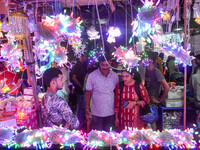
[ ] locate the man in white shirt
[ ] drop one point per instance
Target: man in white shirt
(100, 86)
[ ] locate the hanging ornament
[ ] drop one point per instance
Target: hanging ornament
(61, 25)
(93, 34)
(78, 52)
(197, 20)
(18, 25)
(181, 55)
(166, 16)
(12, 55)
(60, 55)
(112, 33)
(126, 56)
(147, 22)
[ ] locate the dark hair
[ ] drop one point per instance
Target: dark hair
(161, 55)
(49, 75)
(102, 58)
(152, 56)
(136, 77)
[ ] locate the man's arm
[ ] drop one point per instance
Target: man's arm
(74, 78)
(164, 94)
(166, 90)
(87, 104)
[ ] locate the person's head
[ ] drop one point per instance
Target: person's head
(53, 79)
(156, 54)
(197, 60)
(83, 58)
(151, 60)
(129, 75)
(161, 55)
(192, 54)
(103, 64)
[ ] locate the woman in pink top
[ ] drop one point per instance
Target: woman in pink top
(129, 115)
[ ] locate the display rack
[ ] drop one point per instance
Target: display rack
(170, 117)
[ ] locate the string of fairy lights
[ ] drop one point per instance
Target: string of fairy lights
(52, 30)
(130, 138)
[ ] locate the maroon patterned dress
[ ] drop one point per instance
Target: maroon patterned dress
(130, 117)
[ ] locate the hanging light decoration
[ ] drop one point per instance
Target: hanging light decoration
(18, 25)
(18, 28)
(166, 16)
(197, 20)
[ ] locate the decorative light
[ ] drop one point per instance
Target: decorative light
(126, 56)
(133, 138)
(181, 55)
(93, 34)
(94, 55)
(197, 20)
(166, 16)
(112, 33)
(18, 25)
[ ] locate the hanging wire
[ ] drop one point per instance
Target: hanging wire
(36, 19)
(103, 45)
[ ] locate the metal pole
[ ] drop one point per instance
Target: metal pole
(185, 69)
(32, 77)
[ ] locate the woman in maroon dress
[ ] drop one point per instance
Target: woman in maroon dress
(129, 115)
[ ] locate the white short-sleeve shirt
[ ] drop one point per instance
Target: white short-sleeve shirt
(102, 89)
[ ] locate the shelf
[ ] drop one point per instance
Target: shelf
(170, 108)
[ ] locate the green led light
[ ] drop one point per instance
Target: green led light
(196, 132)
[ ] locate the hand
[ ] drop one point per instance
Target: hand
(116, 122)
(154, 100)
(88, 115)
(131, 104)
(198, 117)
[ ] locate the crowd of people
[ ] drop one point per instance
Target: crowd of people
(106, 97)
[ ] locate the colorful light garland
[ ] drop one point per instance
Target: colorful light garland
(133, 138)
(62, 25)
(181, 55)
(147, 22)
(12, 55)
(94, 55)
(126, 56)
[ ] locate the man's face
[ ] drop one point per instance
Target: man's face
(104, 67)
(84, 58)
(59, 82)
(150, 65)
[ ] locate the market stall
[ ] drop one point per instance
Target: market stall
(35, 41)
